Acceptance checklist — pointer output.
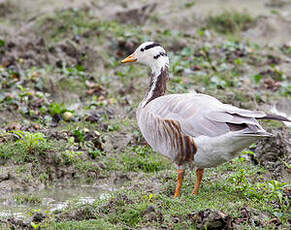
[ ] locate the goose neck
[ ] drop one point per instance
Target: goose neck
(157, 86)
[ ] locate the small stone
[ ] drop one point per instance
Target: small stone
(196, 68)
(15, 126)
(111, 101)
(101, 98)
(86, 130)
(36, 126)
(97, 133)
(34, 75)
(67, 116)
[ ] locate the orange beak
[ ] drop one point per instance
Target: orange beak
(130, 58)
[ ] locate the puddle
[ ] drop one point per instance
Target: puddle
(53, 199)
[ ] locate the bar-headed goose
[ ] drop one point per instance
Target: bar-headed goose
(191, 127)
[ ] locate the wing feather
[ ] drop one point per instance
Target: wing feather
(200, 114)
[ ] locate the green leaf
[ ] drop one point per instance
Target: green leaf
(2, 42)
(257, 78)
(238, 61)
(80, 68)
(35, 226)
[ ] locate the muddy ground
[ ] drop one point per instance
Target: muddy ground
(71, 154)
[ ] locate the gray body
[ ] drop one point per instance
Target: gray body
(171, 121)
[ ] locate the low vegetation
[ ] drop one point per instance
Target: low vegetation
(68, 117)
(231, 22)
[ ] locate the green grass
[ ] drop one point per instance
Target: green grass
(80, 22)
(229, 188)
(99, 224)
(230, 22)
(26, 147)
(64, 22)
(45, 155)
(138, 159)
(207, 64)
(27, 199)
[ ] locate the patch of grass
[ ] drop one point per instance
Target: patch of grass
(129, 215)
(99, 224)
(5, 152)
(230, 22)
(96, 153)
(71, 84)
(6, 7)
(141, 159)
(189, 4)
(27, 199)
(285, 89)
(72, 21)
(79, 135)
(85, 166)
(271, 124)
(286, 49)
(28, 148)
(16, 151)
(56, 108)
(46, 156)
(30, 141)
(79, 22)
(266, 190)
(229, 188)
(2, 42)
(25, 147)
(71, 157)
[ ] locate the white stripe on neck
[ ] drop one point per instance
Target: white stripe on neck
(157, 66)
(150, 93)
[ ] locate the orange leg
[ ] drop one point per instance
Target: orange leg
(180, 180)
(199, 175)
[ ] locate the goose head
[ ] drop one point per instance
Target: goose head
(151, 54)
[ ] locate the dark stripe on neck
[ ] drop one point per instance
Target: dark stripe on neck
(151, 46)
(157, 88)
(159, 55)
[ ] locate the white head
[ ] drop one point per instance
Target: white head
(150, 54)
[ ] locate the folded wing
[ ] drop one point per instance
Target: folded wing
(200, 114)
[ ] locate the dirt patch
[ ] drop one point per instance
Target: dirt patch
(32, 51)
(6, 7)
(83, 213)
(211, 219)
(271, 30)
(15, 223)
(24, 62)
(12, 182)
(136, 16)
(275, 153)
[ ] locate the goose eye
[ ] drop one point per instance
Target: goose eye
(142, 49)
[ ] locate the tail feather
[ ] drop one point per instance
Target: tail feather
(274, 117)
(253, 131)
(254, 134)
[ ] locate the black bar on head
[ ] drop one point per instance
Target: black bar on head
(151, 46)
(160, 54)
